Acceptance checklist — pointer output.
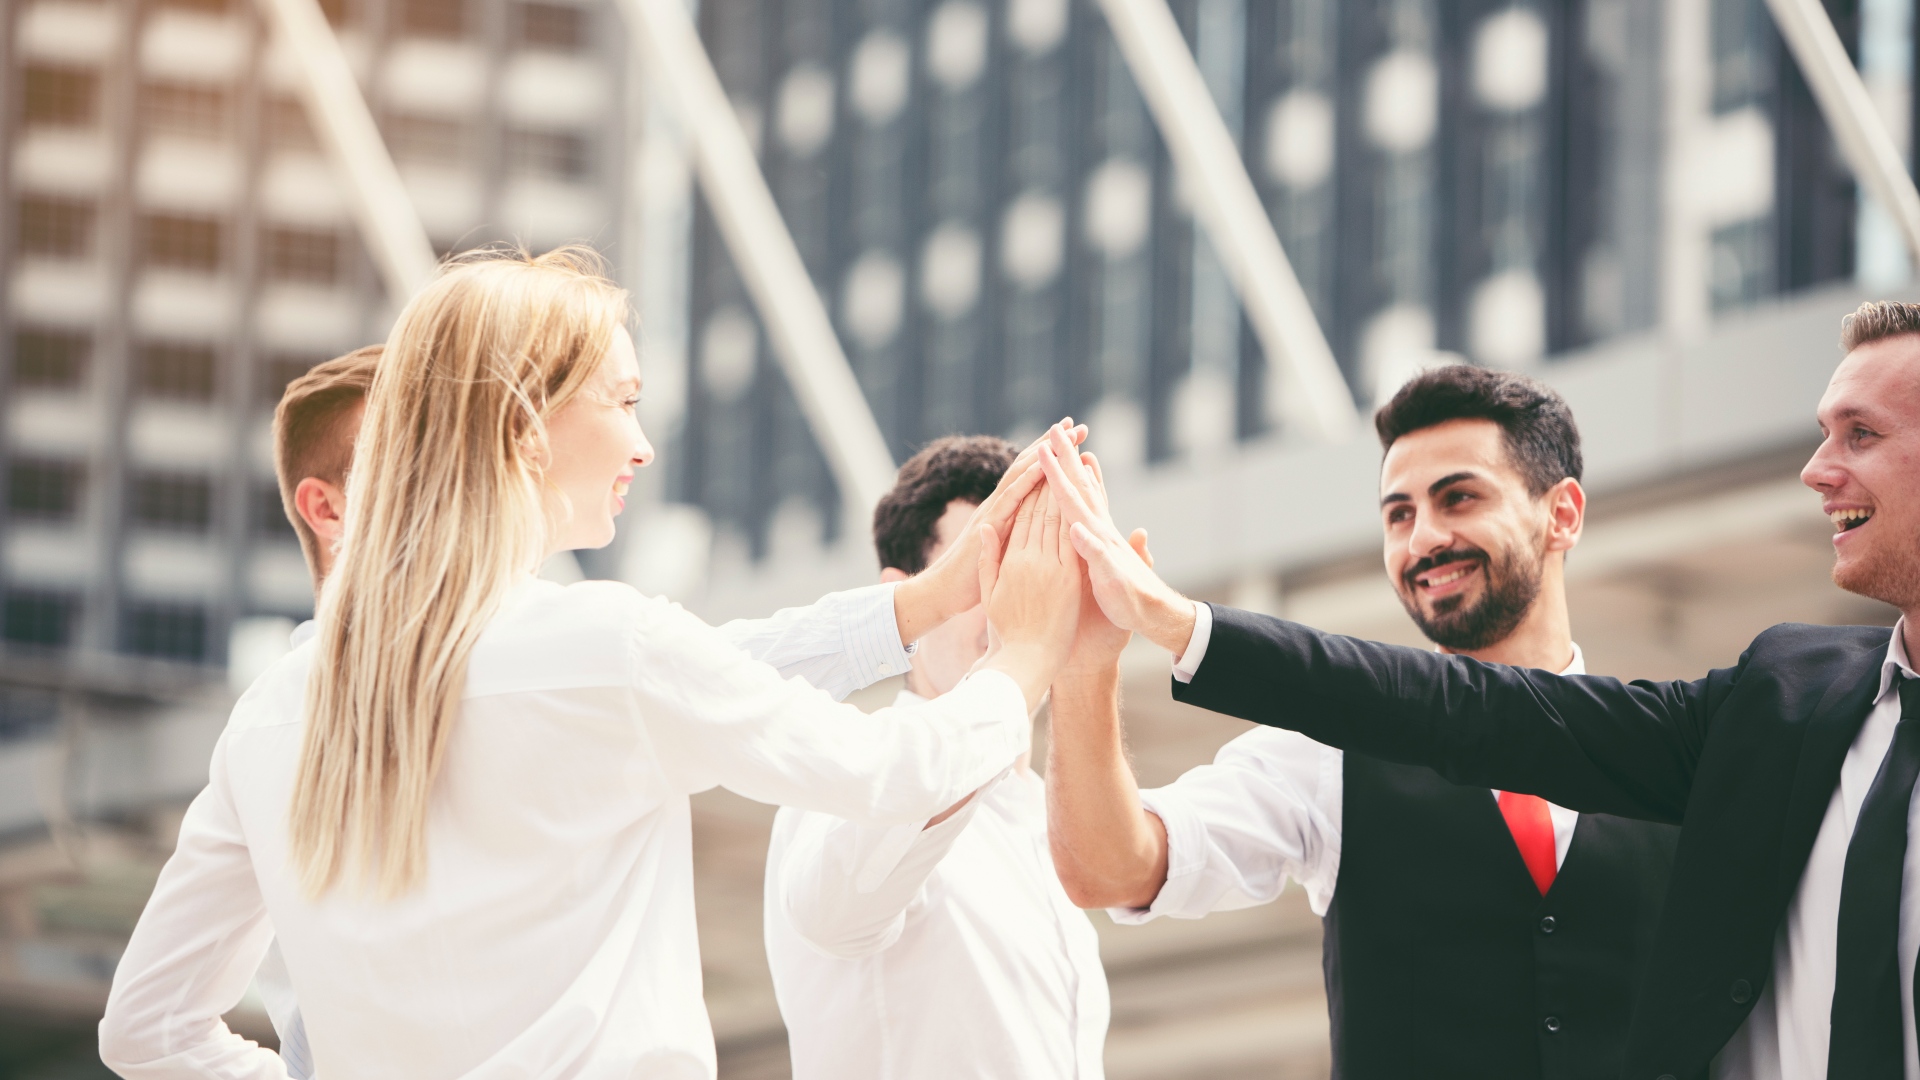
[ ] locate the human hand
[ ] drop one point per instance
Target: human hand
(1119, 574)
(1098, 643)
(951, 584)
(1032, 587)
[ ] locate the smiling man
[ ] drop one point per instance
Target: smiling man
(1787, 942)
(1469, 932)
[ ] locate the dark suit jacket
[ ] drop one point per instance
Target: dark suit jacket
(1745, 759)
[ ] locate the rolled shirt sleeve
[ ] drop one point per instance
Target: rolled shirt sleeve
(1266, 810)
(843, 642)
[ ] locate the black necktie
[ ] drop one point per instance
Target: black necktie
(1868, 1043)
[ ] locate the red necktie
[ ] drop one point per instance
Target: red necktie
(1532, 825)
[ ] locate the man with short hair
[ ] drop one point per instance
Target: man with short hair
(313, 431)
(1469, 932)
(946, 949)
(1787, 943)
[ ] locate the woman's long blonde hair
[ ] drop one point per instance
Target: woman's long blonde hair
(446, 509)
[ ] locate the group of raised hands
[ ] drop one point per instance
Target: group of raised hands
(1064, 588)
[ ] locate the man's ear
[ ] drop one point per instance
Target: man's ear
(889, 575)
(1566, 514)
(322, 505)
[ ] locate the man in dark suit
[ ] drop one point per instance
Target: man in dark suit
(1469, 932)
(1787, 944)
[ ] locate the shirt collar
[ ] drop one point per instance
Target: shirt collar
(302, 634)
(908, 697)
(1896, 661)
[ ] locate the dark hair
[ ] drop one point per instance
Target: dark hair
(964, 467)
(1876, 320)
(1540, 434)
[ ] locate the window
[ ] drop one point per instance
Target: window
(553, 26)
(270, 514)
(183, 109)
(26, 711)
(188, 243)
(49, 359)
(279, 372)
(167, 631)
(59, 227)
(172, 501)
(60, 96)
(549, 154)
(37, 618)
(433, 18)
(181, 372)
(416, 138)
(40, 490)
(303, 255)
(288, 126)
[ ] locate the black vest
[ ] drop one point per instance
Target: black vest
(1442, 958)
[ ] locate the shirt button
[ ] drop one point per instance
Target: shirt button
(1551, 1023)
(885, 669)
(1664, 1076)
(1742, 992)
(1546, 924)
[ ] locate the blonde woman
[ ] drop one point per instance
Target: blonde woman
(484, 868)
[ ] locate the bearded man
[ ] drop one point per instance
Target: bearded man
(1469, 932)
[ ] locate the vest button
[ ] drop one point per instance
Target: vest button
(1742, 992)
(1551, 1023)
(1546, 924)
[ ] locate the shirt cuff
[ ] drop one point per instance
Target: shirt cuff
(871, 635)
(1186, 857)
(1195, 654)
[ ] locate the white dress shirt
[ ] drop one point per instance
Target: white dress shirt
(923, 954)
(553, 932)
(1267, 809)
(843, 642)
(1786, 1035)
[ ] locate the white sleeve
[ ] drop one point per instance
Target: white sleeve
(841, 643)
(715, 716)
(1266, 810)
(193, 951)
(1195, 654)
(845, 888)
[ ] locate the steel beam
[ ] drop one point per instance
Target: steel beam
(1215, 175)
(381, 207)
(765, 254)
(1856, 125)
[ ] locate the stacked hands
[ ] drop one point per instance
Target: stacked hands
(1064, 589)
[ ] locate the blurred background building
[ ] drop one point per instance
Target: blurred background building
(1637, 200)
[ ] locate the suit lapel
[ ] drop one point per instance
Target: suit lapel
(1835, 723)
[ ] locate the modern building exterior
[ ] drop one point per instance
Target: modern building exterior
(174, 249)
(987, 207)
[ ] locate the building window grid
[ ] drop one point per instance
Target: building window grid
(59, 96)
(551, 154)
(433, 18)
(561, 27)
(165, 631)
(180, 242)
(174, 502)
(177, 372)
(429, 140)
(184, 109)
(44, 490)
(49, 359)
(269, 517)
(308, 255)
(55, 227)
(35, 618)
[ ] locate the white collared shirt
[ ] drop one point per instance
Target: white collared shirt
(953, 951)
(1268, 809)
(553, 933)
(1787, 1034)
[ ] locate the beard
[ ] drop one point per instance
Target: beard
(1462, 624)
(1884, 573)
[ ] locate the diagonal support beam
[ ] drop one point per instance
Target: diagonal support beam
(1230, 209)
(1856, 125)
(763, 250)
(388, 221)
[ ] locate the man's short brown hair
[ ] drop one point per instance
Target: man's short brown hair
(1876, 320)
(309, 431)
(964, 467)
